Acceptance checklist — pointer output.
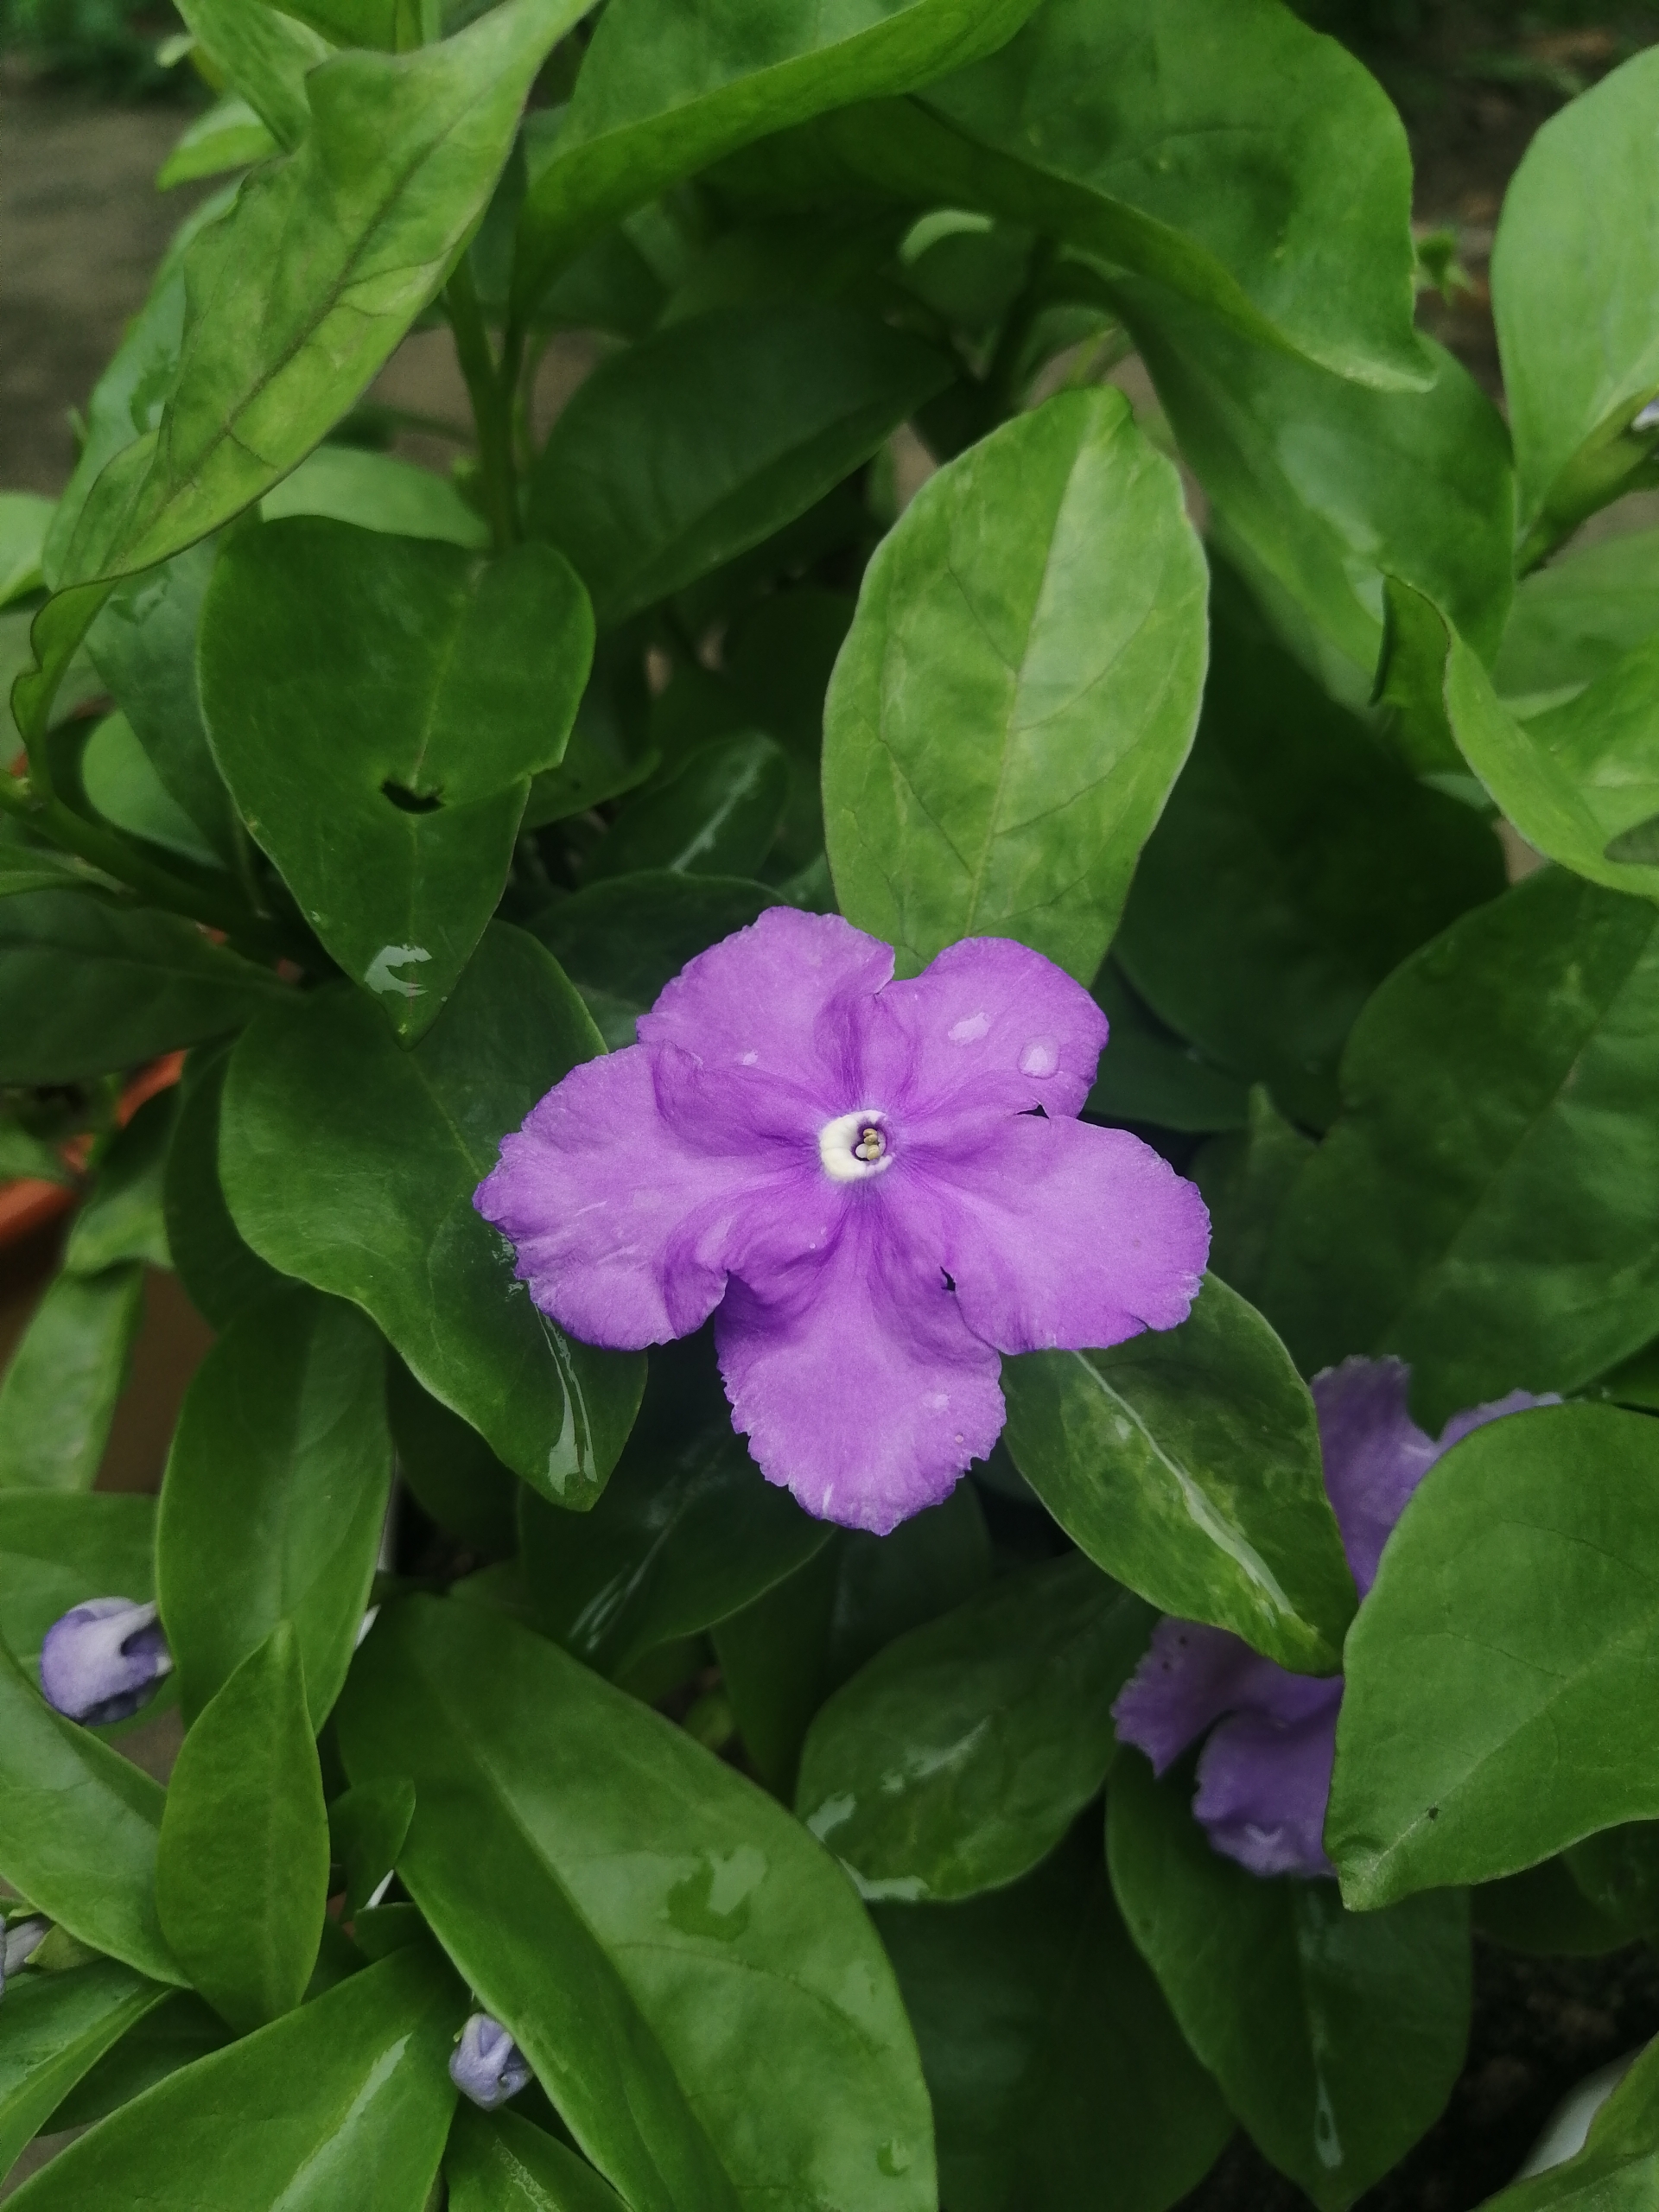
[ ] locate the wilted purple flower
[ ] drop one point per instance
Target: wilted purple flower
(1264, 1777)
(19, 1943)
(486, 2064)
(104, 1660)
(880, 1185)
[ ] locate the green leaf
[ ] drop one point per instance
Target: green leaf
(242, 1867)
(1318, 487)
(366, 1828)
(1580, 780)
(37, 868)
(181, 2029)
(1573, 620)
(352, 1164)
(713, 813)
(143, 645)
(782, 1656)
(1057, 2076)
(394, 26)
(25, 518)
(1543, 1913)
(57, 1550)
(620, 941)
(1481, 1205)
(345, 2102)
(229, 135)
(688, 1532)
(222, 1274)
(1575, 295)
(292, 1397)
(1323, 865)
(262, 56)
(396, 167)
(1186, 1463)
(1618, 2169)
(54, 2028)
(1149, 1074)
(454, 1476)
(1245, 1178)
(642, 1986)
(1018, 691)
(687, 449)
(377, 491)
(662, 94)
(778, 659)
(501, 2164)
(121, 785)
(78, 1827)
(88, 984)
(959, 1757)
(378, 706)
(121, 1219)
(1493, 1669)
(1335, 2037)
(58, 1395)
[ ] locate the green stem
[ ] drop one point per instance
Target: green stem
(491, 391)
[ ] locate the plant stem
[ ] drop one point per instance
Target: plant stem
(490, 388)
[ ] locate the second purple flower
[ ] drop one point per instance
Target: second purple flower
(876, 1187)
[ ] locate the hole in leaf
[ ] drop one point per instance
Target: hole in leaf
(411, 802)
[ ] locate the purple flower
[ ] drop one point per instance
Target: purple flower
(104, 1660)
(486, 2064)
(19, 1941)
(875, 1186)
(1264, 1777)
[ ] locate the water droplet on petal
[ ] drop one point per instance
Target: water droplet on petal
(749, 1058)
(970, 1029)
(1040, 1057)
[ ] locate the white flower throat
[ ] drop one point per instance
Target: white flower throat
(856, 1144)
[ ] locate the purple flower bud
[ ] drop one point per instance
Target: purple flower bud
(486, 2064)
(103, 1660)
(20, 1942)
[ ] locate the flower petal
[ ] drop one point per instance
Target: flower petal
(989, 1025)
(1189, 1676)
(1374, 1454)
(1466, 1424)
(623, 1231)
(1264, 1780)
(1055, 1233)
(854, 1377)
(775, 1000)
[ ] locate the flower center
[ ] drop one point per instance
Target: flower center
(855, 1145)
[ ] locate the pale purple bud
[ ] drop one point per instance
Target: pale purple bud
(486, 2064)
(104, 1660)
(1649, 417)
(20, 1941)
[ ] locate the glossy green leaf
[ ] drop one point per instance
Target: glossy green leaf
(454, 1476)
(366, 1828)
(121, 1217)
(178, 2032)
(229, 135)
(620, 941)
(88, 984)
(688, 1532)
(1575, 295)
(1018, 691)
(782, 1656)
(1618, 2169)
(778, 659)
(378, 706)
(1542, 1912)
(499, 2163)
(25, 517)
(1323, 865)
(1149, 1074)
(143, 645)
(1186, 1463)
(345, 2102)
(1318, 487)
(1336, 2036)
(396, 167)
(662, 94)
(121, 786)
(1481, 1205)
(1580, 780)
(54, 2027)
(352, 1164)
(394, 26)
(58, 1394)
(37, 868)
(221, 1273)
(1060, 2082)
(78, 1827)
(687, 449)
(713, 813)
(57, 1550)
(1246, 1178)
(290, 1398)
(242, 1867)
(263, 55)
(377, 491)
(959, 1757)
(1572, 621)
(636, 1980)
(1493, 1670)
